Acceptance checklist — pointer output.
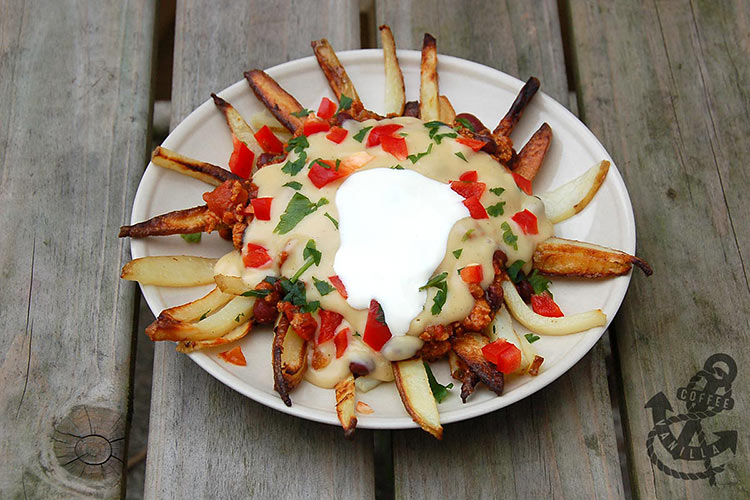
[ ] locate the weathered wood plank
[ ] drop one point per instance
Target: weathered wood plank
(75, 102)
(665, 86)
(561, 441)
(256, 452)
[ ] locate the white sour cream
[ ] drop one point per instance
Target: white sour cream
(394, 227)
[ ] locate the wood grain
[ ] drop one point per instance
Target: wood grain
(560, 443)
(205, 439)
(665, 86)
(75, 100)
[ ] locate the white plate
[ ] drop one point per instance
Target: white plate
(471, 87)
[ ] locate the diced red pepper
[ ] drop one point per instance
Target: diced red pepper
(341, 341)
(262, 208)
(472, 274)
(469, 189)
(474, 144)
(321, 175)
(527, 221)
(225, 197)
(329, 321)
(470, 176)
(234, 356)
(503, 354)
(377, 332)
(395, 146)
(377, 133)
(327, 108)
(255, 256)
(542, 304)
(339, 285)
(523, 183)
(337, 134)
(268, 140)
(476, 210)
(241, 160)
(314, 125)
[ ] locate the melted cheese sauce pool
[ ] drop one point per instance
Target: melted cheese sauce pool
(468, 241)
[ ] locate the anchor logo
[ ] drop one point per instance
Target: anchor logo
(708, 393)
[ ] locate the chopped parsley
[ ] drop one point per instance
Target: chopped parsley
(356, 334)
(302, 113)
(531, 338)
(415, 158)
(312, 256)
(204, 315)
(256, 293)
(397, 167)
(297, 144)
(293, 167)
(237, 318)
(344, 103)
(442, 292)
(434, 281)
(467, 235)
(298, 208)
(330, 218)
(514, 271)
(498, 191)
(294, 292)
(320, 162)
(457, 253)
(294, 185)
(310, 307)
(463, 122)
(439, 391)
(359, 137)
(538, 282)
(496, 209)
(434, 126)
(508, 236)
(461, 155)
(323, 286)
(438, 138)
(192, 237)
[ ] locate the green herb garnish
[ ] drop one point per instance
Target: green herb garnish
(298, 208)
(434, 281)
(311, 255)
(514, 271)
(204, 315)
(539, 282)
(330, 218)
(496, 209)
(294, 292)
(438, 138)
(508, 236)
(344, 103)
(457, 253)
(498, 191)
(415, 158)
(259, 293)
(302, 113)
(463, 122)
(297, 144)
(467, 235)
(461, 155)
(192, 237)
(531, 338)
(294, 185)
(237, 318)
(310, 307)
(359, 137)
(442, 292)
(439, 391)
(397, 167)
(324, 288)
(293, 167)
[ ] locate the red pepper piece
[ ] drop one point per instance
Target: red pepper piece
(225, 197)
(377, 332)
(262, 208)
(542, 304)
(337, 134)
(476, 210)
(395, 146)
(341, 341)
(377, 133)
(234, 356)
(503, 354)
(327, 108)
(241, 161)
(472, 274)
(255, 256)
(314, 125)
(474, 144)
(329, 321)
(339, 285)
(268, 141)
(469, 189)
(527, 221)
(470, 176)
(321, 175)
(523, 183)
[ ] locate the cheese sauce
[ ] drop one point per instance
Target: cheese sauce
(432, 233)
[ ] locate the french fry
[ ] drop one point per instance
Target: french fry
(544, 325)
(206, 172)
(172, 270)
(395, 97)
(572, 197)
(231, 284)
(429, 106)
(186, 346)
(187, 221)
(237, 125)
(468, 347)
(278, 101)
(335, 73)
(288, 357)
(502, 328)
(192, 311)
(561, 257)
(264, 118)
(415, 392)
(505, 127)
(530, 158)
(366, 383)
(345, 405)
(215, 324)
(446, 111)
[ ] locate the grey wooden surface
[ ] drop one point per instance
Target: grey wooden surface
(238, 448)
(75, 103)
(665, 85)
(559, 443)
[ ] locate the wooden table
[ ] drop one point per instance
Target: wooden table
(662, 84)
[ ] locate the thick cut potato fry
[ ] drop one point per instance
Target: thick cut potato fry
(366, 383)
(187, 221)
(572, 197)
(187, 346)
(170, 270)
(345, 405)
(215, 324)
(505, 127)
(288, 357)
(530, 158)
(564, 325)
(415, 392)
(446, 111)
(231, 284)
(335, 73)
(468, 347)
(192, 311)
(206, 172)
(502, 328)
(395, 98)
(264, 118)
(237, 125)
(278, 101)
(563, 257)
(429, 101)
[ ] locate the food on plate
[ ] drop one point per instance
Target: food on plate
(375, 245)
